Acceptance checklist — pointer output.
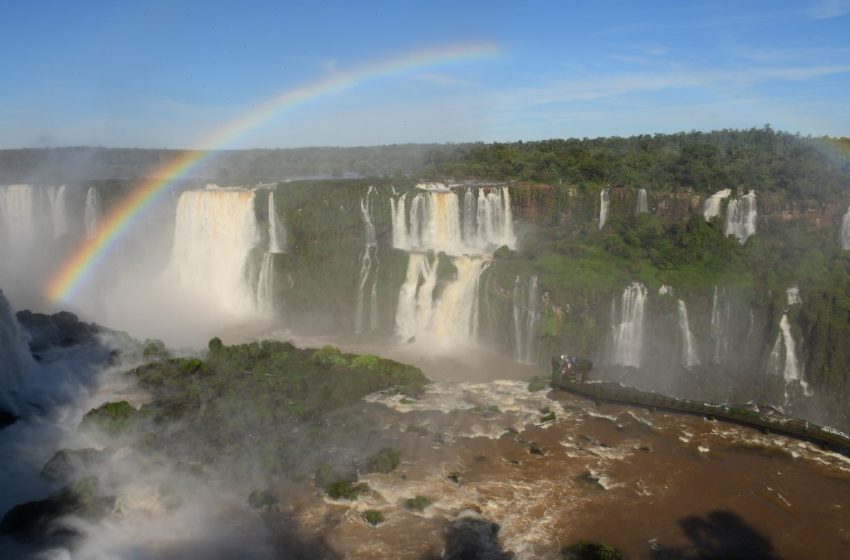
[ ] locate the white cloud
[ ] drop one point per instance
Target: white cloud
(824, 9)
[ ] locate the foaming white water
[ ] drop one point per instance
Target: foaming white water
(643, 204)
(690, 357)
(215, 231)
(741, 217)
(712, 206)
(92, 213)
(502, 406)
(277, 228)
(604, 204)
(526, 317)
(627, 326)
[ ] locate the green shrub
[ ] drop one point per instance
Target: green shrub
(373, 517)
(384, 461)
(419, 503)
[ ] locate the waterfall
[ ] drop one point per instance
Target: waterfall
(792, 295)
(266, 285)
(712, 205)
(467, 230)
(416, 296)
(783, 357)
(451, 318)
(16, 358)
(18, 218)
(604, 203)
(690, 357)
(92, 213)
(214, 234)
(398, 214)
(642, 205)
(741, 217)
(368, 261)
(721, 311)
(436, 222)
(526, 317)
(277, 228)
(845, 230)
(628, 330)
(56, 199)
(469, 214)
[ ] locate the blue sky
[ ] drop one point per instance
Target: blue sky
(165, 73)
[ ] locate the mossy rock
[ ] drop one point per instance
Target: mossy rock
(346, 490)
(373, 517)
(419, 503)
(66, 463)
(262, 499)
(585, 550)
(384, 461)
(111, 418)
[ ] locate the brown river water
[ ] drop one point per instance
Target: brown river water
(654, 485)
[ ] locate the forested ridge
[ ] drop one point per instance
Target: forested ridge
(806, 168)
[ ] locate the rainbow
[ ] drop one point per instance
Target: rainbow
(74, 271)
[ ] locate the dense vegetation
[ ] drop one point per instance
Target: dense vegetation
(260, 407)
(805, 167)
(762, 158)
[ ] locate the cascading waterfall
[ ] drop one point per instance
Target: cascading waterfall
(643, 204)
(604, 203)
(792, 295)
(844, 237)
(56, 199)
(266, 285)
(17, 360)
(450, 319)
(526, 316)
(18, 218)
(398, 215)
(435, 221)
(277, 229)
(215, 232)
(690, 357)
(712, 206)
(368, 262)
(92, 213)
(741, 217)
(467, 229)
(721, 312)
(416, 296)
(627, 336)
(783, 359)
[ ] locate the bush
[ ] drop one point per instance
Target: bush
(373, 517)
(584, 550)
(419, 503)
(346, 490)
(112, 418)
(384, 461)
